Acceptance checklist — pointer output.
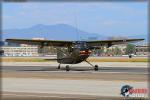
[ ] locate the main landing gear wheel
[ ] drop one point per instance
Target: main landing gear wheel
(67, 68)
(96, 67)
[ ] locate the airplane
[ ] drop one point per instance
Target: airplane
(77, 51)
(1, 52)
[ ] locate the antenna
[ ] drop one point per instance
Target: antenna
(76, 25)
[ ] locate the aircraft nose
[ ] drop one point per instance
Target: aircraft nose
(85, 52)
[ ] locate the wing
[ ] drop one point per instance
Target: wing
(40, 42)
(109, 43)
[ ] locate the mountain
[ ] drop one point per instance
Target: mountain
(55, 32)
(2, 43)
(58, 32)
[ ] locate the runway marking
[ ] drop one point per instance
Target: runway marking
(32, 95)
(96, 72)
(61, 86)
(78, 76)
(36, 95)
(130, 81)
(60, 96)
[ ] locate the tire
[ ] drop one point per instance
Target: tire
(67, 68)
(96, 67)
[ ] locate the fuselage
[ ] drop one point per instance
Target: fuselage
(76, 54)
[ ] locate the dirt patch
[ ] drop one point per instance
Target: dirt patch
(120, 59)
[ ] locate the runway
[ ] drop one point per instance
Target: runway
(91, 88)
(77, 68)
(109, 67)
(44, 80)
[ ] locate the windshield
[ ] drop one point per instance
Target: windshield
(80, 44)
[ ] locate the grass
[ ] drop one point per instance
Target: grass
(119, 59)
(89, 59)
(22, 60)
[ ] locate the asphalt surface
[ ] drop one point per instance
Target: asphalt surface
(43, 81)
(70, 87)
(129, 69)
(35, 96)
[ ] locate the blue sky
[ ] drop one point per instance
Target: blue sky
(97, 17)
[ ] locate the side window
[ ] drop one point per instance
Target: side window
(76, 45)
(85, 45)
(70, 49)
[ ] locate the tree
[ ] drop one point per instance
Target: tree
(117, 51)
(109, 51)
(101, 51)
(130, 49)
(98, 51)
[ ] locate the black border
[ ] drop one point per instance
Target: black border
(81, 1)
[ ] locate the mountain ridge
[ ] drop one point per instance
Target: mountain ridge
(55, 32)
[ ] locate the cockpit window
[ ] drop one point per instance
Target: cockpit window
(80, 44)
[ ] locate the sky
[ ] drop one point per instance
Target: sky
(95, 17)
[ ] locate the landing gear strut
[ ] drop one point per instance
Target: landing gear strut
(95, 67)
(67, 68)
(59, 66)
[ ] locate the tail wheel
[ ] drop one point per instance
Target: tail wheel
(67, 68)
(96, 67)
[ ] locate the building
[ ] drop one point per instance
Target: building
(14, 49)
(140, 50)
(143, 50)
(114, 50)
(122, 47)
(20, 51)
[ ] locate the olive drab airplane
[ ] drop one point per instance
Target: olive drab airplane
(77, 51)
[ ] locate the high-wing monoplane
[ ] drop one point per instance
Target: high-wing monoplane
(77, 51)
